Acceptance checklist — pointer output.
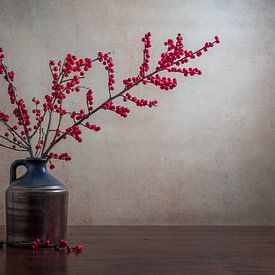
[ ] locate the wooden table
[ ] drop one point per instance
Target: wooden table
(151, 250)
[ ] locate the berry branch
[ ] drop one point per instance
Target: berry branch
(22, 113)
(66, 80)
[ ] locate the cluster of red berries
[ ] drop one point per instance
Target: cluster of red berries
(146, 54)
(174, 52)
(108, 63)
(63, 245)
(70, 86)
(74, 132)
(90, 99)
(165, 83)
(131, 81)
(66, 78)
(11, 94)
(51, 104)
(4, 117)
(120, 110)
(140, 102)
(75, 65)
(62, 86)
(78, 115)
(48, 104)
(190, 71)
(21, 113)
(10, 76)
(92, 126)
(1, 59)
(63, 156)
(71, 65)
(109, 105)
(36, 101)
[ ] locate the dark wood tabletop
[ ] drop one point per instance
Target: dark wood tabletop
(151, 250)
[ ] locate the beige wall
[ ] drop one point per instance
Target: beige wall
(206, 155)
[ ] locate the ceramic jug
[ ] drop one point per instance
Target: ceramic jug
(36, 204)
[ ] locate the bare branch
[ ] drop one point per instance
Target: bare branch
(10, 141)
(15, 149)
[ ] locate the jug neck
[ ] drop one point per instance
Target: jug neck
(36, 165)
(36, 176)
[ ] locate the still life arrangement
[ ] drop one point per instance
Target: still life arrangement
(37, 202)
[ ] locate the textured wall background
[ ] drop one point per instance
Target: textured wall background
(206, 155)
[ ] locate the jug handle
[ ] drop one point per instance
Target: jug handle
(14, 165)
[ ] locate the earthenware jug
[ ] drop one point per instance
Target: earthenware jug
(36, 203)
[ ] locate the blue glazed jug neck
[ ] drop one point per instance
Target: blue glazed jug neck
(36, 166)
(36, 176)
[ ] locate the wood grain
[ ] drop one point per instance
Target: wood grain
(152, 250)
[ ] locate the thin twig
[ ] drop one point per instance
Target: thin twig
(11, 148)
(10, 141)
(13, 131)
(70, 79)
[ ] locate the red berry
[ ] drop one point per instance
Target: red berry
(63, 243)
(47, 242)
(217, 39)
(78, 248)
(37, 241)
(52, 166)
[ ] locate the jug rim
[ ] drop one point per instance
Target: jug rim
(29, 159)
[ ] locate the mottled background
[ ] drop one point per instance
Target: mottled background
(206, 155)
